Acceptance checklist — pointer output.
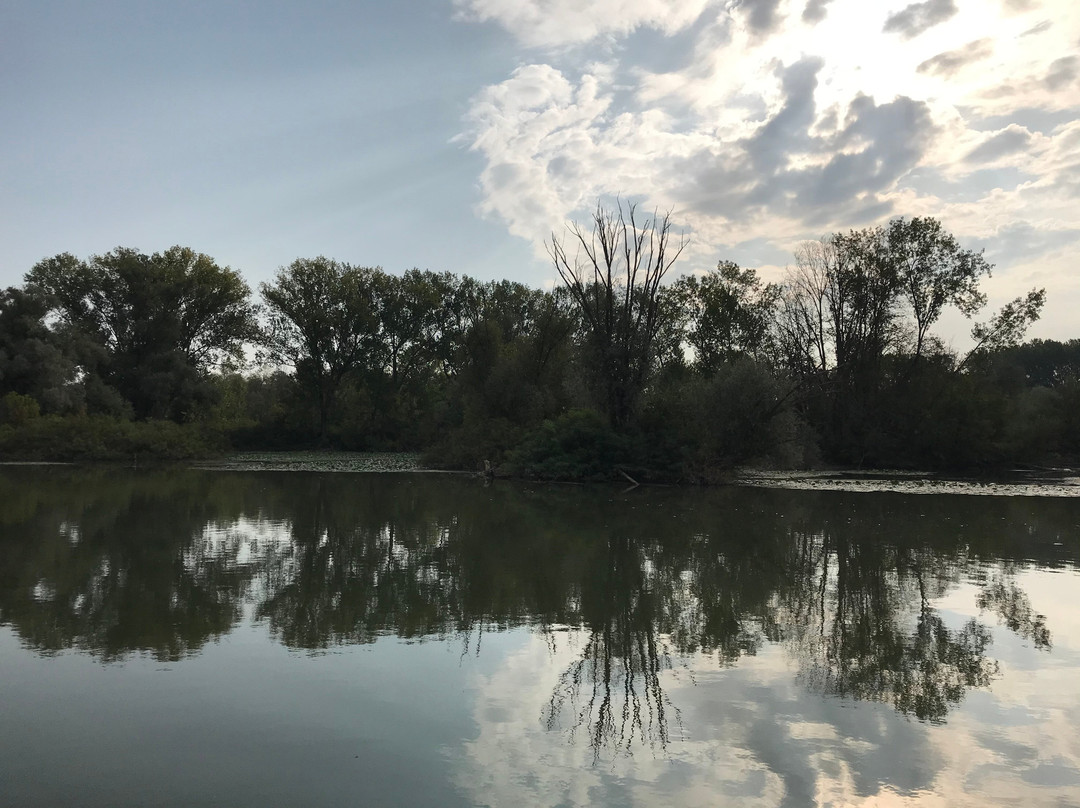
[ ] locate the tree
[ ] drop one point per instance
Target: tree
(416, 323)
(1007, 327)
(933, 271)
(32, 360)
(855, 323)
(614, 279)
(150, 326)
(862, 299)
(1047, 362)
(802, 320)
(730, 314)
(845, 302)
(322, 321)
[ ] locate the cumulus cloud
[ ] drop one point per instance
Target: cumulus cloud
(787, 132)
(558, 23)
(1062, 73)
(761, 15)
(785, 168)
(949, 62)
(1020, 6)
(1044, 87)
(1022, 240)
(815, 11)
(536, 131)
(919, 17)
(759, 126)
(1008, 141)
(1034, 119)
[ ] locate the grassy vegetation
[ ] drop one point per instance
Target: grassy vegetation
(100, 437)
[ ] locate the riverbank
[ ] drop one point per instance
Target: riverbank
(98, 439)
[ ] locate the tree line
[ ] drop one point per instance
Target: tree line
(620, 369)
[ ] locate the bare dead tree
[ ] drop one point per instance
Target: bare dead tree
(803, 322)
(614, 279)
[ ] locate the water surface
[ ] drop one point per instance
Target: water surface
(299, 638)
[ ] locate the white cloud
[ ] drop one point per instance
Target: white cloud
(766, 124)
(919, 17)
(556, 23)
(753, 734)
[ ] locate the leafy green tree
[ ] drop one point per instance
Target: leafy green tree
(933, 271)
(730, 314)
(1047, 362)
(149, 326)
(510, 364)
(847, 299)
(32, 358)
(854, 326)
(322, 321)
(1006, 328)
(839, 304)
(420, 324)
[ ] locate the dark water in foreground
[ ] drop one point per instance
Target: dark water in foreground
(232, 638)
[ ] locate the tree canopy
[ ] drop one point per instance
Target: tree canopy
(148, 326)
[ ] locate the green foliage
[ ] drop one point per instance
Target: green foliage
(473, 444)
(33, 360)
(148, 326)
(612, 372)
(16, 409)
(854, 328)
(738, 415)
(578, 445)
(728, 314)
(1046, 362)
(97, 437)
(322, 321)
(1007, 327)
(933, 271)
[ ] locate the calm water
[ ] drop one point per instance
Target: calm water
(238, 638)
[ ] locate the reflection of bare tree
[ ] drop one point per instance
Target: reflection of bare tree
(1012, 606)
(614, 688)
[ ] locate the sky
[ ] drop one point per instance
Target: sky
(457, 135)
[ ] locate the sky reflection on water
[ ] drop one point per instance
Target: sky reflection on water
(310, 639)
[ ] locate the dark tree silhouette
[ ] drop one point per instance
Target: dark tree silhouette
(322, 321)
(614, 278)
(149, 326)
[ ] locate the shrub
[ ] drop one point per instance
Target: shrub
(16, 409)
(579, 445)
(99, 437)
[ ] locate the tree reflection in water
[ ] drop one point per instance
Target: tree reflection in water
(863, 626)
(1012, 606)
(614, 689)
(162, 562)
(112, 564)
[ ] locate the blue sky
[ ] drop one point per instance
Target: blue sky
(457, 134)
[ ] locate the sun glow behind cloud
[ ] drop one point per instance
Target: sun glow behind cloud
(765, 126)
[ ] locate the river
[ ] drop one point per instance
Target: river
(228, 637)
